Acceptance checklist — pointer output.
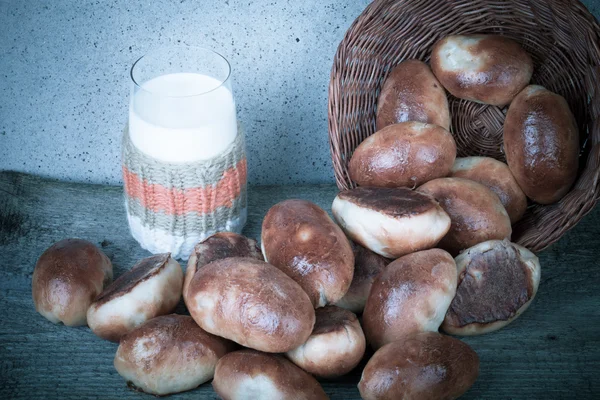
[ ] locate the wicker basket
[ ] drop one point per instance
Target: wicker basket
(562, 37)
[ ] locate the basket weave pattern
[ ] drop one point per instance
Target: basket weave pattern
(563, 39)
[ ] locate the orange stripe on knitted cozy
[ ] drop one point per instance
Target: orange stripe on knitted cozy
(177, 201)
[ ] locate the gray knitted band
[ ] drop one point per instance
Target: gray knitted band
(180, 224)
(181, 175)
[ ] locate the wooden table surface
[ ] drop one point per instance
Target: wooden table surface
(552, 351)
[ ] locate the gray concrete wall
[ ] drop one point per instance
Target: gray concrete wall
(64, 82)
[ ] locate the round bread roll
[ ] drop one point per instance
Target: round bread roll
(425, 366)
(252, 303)
(367, 265)
(486, 69)
(411, 295)
(497, 282)
(412, 93)
(249, 374)
(476, 212)
(391, 222)
(149, 289)
(218, 246)
(541, 142)
(496, 176)
(335, 346)
(299, 238)
(169, 354)
(67, 278)
(403, 155)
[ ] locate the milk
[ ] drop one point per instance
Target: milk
(182, 117)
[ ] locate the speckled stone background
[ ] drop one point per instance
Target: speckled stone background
(64, 82)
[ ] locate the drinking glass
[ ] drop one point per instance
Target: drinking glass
(184, 162)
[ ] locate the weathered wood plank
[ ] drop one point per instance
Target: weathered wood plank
(552, 351)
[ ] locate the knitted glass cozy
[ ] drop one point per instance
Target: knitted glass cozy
(171, 206)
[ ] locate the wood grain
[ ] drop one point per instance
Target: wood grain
(552, 351)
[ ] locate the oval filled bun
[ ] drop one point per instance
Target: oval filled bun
(412, 93)
(299, 238)
(425, 366)
(169, 354)
(218, 246)
(487, 69)
(150, 288)
(497, 282)
(252, 303)
(249, 374)
(496, 176)
(335, 346)
(403, 155)
(367, 266)
(67, 278)
(541, 142)
(391, 222)
(411, 295)
(476, 212)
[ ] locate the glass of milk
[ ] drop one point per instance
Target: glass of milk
(184, 163)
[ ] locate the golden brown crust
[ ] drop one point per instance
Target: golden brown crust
(496, 176)
(403, 155)
(151, 288)
(251, 303)
(335, 347)
(290, 381)
(391, 221)
(476, 212)
(541, 141)
(299, 238)
(497, 281)
(67, 278)
(225, 244)
(218, 246)
(412, 93)
(332, 319)
(492, 287)
(422, 366)
(171, 334)
(406, 297)
(367, 265)
(125, 283)
(394, 202)
(495, 70)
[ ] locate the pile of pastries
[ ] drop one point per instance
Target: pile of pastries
(421, 245)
